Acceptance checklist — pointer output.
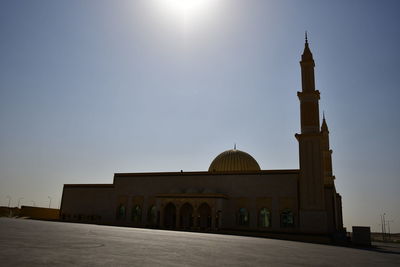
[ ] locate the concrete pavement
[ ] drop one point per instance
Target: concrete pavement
(40, 243)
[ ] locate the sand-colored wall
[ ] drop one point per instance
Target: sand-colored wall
(84, 203)
(9, 212)
(39, 213)
(276, 191)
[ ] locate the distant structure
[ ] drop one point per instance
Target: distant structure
(233, 195)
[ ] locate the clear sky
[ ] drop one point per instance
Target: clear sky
(90, 88)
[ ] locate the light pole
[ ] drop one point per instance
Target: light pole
(49, 201)
(383, 228)
(9, 200)
(19, 200)
(388, 224)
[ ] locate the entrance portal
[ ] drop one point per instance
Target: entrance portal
(170, 216)
(204, 216)
(186, 216)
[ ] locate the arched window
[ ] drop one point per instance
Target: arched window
(121, 212)
(264, 218)
(152, 215)
(287, 218)
(136, 214)
(243, 217)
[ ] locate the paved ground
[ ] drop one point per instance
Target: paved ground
(38, 243)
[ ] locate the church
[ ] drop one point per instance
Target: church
(234, 195)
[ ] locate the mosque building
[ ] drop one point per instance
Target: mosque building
(233, 195)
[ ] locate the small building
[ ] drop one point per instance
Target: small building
(40, 213)
(233, 195)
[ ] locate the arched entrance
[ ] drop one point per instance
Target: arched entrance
(204, 220)
(170, 216)
(186, 218)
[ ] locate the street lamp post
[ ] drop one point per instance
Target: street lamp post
(388, 224)
(384, 226)
(19, 200)
(49, 201)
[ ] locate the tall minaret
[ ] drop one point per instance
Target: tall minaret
(311, 179)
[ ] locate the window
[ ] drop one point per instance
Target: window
(137, 214)
(243, 217)
(121, 212)
(265, 218)
(287, 218)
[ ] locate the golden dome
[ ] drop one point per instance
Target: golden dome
(234, 160)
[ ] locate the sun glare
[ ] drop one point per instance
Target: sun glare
(186, 10)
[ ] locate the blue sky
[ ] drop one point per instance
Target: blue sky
(90, 88)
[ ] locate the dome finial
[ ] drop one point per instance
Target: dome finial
(306, 37)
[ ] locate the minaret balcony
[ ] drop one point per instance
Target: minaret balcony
(309, 95)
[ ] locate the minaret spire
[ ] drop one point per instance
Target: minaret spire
(307, 55)
(324, 126)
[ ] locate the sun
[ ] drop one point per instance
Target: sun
(186, 10)
(186, 7)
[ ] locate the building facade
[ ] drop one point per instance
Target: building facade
(233, 195)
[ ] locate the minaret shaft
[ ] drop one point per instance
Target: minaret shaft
(307, 76)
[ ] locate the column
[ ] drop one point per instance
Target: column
(178, 216)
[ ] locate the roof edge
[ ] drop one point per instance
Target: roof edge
(89, 185)
(194, 173)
